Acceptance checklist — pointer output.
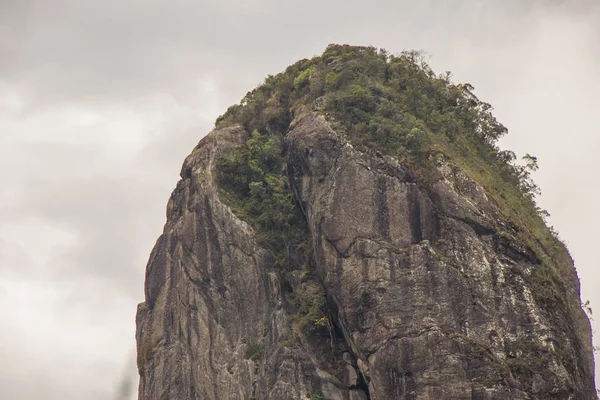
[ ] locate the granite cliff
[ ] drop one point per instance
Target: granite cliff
(350, 231)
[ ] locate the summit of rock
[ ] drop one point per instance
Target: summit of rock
(352, 231)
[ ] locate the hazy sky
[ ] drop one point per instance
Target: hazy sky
(100, 101)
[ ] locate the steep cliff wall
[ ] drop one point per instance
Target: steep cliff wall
(405, 278)
(433, 300)
(215, 323)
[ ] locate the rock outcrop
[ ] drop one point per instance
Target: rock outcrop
(214, 323)
(430, 294)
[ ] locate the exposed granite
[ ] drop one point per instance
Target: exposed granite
(429, 287)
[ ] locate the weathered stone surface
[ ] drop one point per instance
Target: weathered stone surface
(428, 285)
(428, 304)
(214, 325)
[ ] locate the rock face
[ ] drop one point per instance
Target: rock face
(430, 300)
(214, 323)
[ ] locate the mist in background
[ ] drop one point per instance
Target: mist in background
(100, 101)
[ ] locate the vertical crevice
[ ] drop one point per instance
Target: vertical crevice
(341, 334)
(383, 217)
(414, 213)
(363, 385)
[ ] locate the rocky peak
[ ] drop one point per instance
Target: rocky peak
(351, 231)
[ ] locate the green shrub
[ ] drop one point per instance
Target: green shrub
(331, 81)
(253, 352)
(255, 179)
(311, 302)
(302, 79)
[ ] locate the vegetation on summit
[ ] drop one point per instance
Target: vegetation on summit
(396, 105)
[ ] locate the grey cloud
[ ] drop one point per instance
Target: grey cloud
(14, 259)
(88, 51)
(126, 388)
(108, 216)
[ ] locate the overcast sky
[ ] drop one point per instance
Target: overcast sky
(100, 101)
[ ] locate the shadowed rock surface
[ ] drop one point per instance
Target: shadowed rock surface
(429, 291)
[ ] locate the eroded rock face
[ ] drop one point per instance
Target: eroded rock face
(429, 288)
(214, 325)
